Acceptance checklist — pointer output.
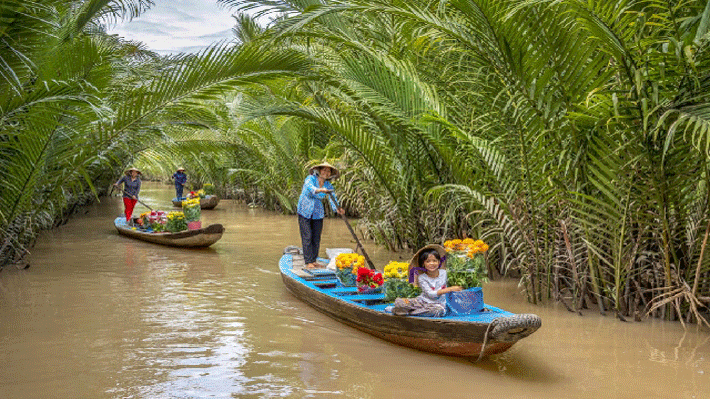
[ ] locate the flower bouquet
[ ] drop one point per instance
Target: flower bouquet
(368, 281)
(175, 222)
(143, 221)
(396, 284)
(346, 268)
(155, 220)
(191, 209)
(400, 288)
(467, 269)
(396, 270)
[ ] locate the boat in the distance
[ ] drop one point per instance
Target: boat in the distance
(199, 238)
(478, 334)
(208, 202)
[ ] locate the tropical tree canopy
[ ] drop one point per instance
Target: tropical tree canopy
(573, 137)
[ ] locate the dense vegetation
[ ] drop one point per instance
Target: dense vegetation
(573, 137)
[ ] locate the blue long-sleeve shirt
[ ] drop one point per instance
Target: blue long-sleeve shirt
(180, 178)
(310, 205)
(130, 187)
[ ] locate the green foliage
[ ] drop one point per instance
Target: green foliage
(176, 222)
(466, 272)
(399, 288)
(209, 189)
(572, 136)
(157, 227)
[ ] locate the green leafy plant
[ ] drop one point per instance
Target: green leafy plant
(399, 288)
(209, 189)
(466, 272)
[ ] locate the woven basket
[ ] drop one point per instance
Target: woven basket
(465, 302)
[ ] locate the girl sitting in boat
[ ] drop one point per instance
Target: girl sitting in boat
(427, 270)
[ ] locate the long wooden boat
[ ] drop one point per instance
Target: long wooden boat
(209, 202)
(200, 238)
(479, 334)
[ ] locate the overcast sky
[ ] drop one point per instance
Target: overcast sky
(173, 26)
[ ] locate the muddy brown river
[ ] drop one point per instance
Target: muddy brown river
(98, 315)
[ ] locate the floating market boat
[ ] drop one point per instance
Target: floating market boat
(209, 202)
(199, 238)
(478, 334)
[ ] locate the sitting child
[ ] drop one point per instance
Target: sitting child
(427, 270)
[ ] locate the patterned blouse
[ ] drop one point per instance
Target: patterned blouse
(130, 187)
(430, 286)
(180, 178)
(309, 203)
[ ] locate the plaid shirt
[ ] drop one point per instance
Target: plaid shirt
(310, 205)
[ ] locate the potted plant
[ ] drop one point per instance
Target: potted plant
(466, 267)
(191, 209)
(175, 222)
(346, 268)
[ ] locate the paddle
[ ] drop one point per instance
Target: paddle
(357, 240)
(139, 201)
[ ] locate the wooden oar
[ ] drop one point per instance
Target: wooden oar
(139, 201)
(357, 240)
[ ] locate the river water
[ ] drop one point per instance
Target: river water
(98, 315)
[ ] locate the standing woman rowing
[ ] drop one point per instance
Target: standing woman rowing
(131, 187)
(310, 208)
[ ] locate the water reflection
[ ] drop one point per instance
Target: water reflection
(99, 315)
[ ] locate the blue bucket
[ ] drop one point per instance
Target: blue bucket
(465, 302)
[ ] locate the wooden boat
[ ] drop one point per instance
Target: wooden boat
(209, 202)
(200, 238)
(474, 335)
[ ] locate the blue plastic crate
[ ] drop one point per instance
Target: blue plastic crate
(465, 302)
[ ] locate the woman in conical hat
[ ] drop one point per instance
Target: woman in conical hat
(180, 179)
(131, 187)
(316, 187)
(334, 172)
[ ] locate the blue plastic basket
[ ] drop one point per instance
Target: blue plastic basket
(465, 302)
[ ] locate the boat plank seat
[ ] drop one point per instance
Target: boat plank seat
(321, 272)
(320, 283)
(344, 290)
(364, 297)
(302, 273)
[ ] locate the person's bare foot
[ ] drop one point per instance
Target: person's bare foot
(311, 266)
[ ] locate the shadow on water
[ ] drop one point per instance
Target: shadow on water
(519, 366)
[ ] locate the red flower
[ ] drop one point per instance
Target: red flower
(368, 277)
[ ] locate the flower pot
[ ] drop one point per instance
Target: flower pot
(465, 302)
(194, 225)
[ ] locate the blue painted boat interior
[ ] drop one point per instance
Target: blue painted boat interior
(325, 281)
